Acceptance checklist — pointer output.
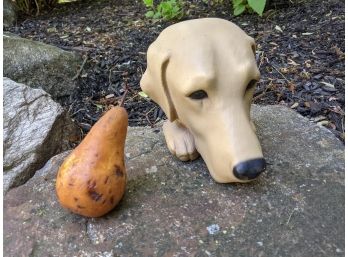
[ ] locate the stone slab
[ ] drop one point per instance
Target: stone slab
(9, 13)
(35, 129)
(173, 208)
(39, 65)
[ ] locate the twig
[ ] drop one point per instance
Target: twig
(261, 58)
(76, 48)
(136, 120)
(110, 70)
(149, 121)
(270, 14)
(151, 110)
(38, 8)
(260, 95)
(81, 68)
(79, 110)
(71, 106)
(263, 92)
(121, 103)
(279, 72)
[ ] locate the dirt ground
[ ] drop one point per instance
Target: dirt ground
(300, 52)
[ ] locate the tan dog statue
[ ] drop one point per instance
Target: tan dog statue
(203, 73)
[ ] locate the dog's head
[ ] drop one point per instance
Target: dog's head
(203, 72)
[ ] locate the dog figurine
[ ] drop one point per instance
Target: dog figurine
(202, 73)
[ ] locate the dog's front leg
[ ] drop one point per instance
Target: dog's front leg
(180, 141)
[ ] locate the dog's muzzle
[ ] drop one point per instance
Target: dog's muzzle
(250, 169)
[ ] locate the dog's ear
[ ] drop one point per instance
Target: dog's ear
(154, 80)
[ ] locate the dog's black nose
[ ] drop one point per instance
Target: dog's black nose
(249, 169)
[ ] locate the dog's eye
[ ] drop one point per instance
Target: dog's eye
(198, 95)
(251, 84)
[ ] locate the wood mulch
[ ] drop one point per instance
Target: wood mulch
(300, 52)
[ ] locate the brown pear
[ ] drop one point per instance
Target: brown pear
(92, 179)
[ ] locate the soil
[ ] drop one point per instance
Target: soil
(300, 52)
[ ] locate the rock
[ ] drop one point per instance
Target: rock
(10, 15)
(40, 65)
(173, 208)
(35, 129)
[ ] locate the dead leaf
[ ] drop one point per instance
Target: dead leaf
(323, 123)
(294, 105)
(284, 70)
(143, 94)
(52, 30)
(332, 98)
(308, 64)
(109, 96)
(319, 118)
(278, 28)
(292, 88)
(307, 33)
(305, 75)
(292, 62)
(338, 51)
(332, 125)
(327, 84)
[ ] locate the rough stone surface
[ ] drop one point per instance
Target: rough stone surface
(175, 209)
(40, 65)
(9, 12)
(35, 129)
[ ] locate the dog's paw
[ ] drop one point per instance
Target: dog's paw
(180, 141)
